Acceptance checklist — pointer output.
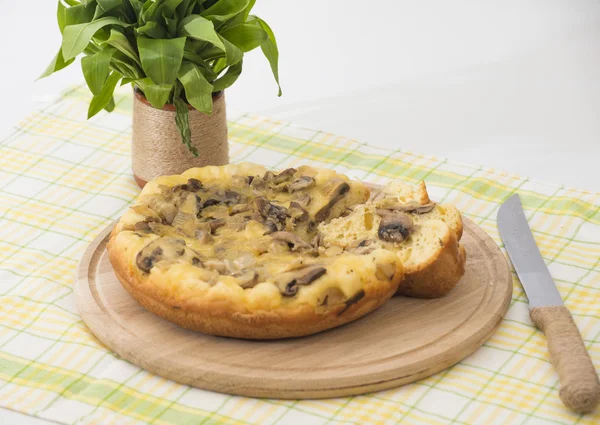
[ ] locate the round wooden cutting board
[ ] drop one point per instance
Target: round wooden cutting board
(405, 340)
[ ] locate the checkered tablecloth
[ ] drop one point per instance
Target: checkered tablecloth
(63, 179)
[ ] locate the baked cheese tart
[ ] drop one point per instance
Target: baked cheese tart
(238, 251)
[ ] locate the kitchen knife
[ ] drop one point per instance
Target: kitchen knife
(580, 387)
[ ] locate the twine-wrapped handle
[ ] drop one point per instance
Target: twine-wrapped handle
(580, 387)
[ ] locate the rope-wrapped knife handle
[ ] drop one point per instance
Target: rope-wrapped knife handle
(580, 387)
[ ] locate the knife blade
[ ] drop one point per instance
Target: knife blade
(525, 255)
(580, 386)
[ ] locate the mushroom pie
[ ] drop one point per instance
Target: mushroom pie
(237, 251)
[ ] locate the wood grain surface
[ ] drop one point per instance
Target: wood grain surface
(404, 341)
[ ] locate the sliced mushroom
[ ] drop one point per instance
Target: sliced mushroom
(258, 185)
(165, 230)
(240, 208)
(352, 300)
(296, 211)
(210, 202)
(269, 210)
(363, 247)
(232, 197)
(185, 222)
(231, 267)
(203, 237)
(179, 188)
(194, 185)
(294, 242)
(241, 181)
(145, 261)
(303, 199)
(339, 190)
(215, 224)
(245, 260)
(271, 226)
(146, 212)
(281, 187)
(166, 210)
(395, 227)
(269, 176)
(423, 209)
(185, 219)
(247, 279)
(301, 183)
(157, 250)
(284, 176)
(411, 207)
(288, 283)
(142, 226)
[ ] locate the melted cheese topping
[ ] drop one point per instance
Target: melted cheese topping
(241, 243)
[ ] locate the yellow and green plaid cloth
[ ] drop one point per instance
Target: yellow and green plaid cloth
(63, 179)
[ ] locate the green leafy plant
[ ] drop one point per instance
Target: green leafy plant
(174, 51)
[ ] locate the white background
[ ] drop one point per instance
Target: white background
(509, 84)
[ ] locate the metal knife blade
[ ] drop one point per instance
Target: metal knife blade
(525, 255)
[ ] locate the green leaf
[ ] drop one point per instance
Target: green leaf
(119, 41)
(197, 27)
(232, 52)
(110, 106)
(219, 65)
(151, 10)
(198, 90)
(127, 81)
(182, 119)
(246, 36)
(183, 7)
(169, 7)
(240, 18)
(270, 50)
(157, 95)
(161, 59)
(60, 16)
(199, 60)
(191, 7)
(225, 9)
(228, 78)
(78, 14)
(153, 30)
(95, 69)
(57, 64)
(171, 26)
(136, 5)
(77, 37)
(102, 99)
(104, 6)
(126, 66)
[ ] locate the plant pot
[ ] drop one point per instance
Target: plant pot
(157, 149)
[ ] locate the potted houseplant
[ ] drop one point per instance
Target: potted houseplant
(179, 56)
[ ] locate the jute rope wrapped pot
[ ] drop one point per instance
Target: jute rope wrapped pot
(157, 148)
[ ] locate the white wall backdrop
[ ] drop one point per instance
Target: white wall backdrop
(511, 84)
